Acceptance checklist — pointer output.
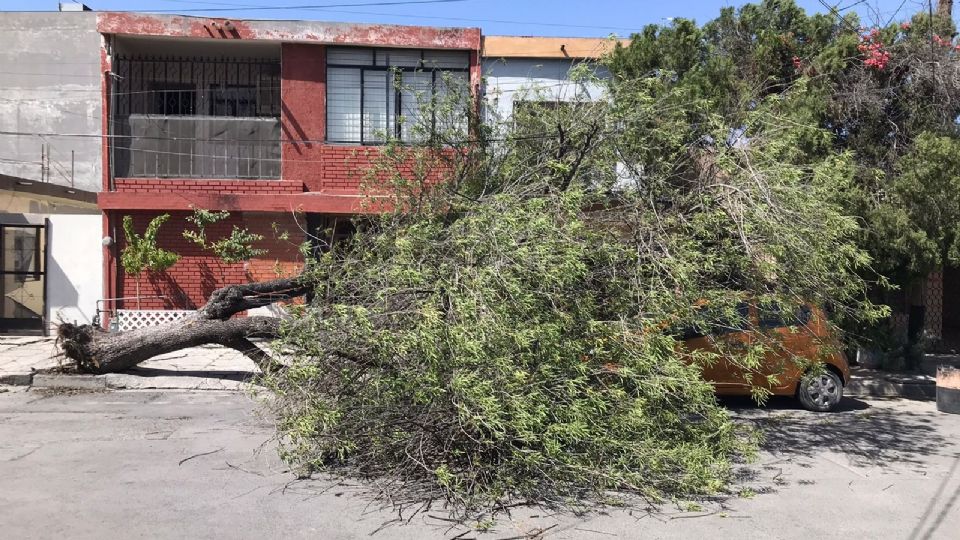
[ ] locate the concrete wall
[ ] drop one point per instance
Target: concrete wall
(50, 83)
(74, 267)
(513, 79)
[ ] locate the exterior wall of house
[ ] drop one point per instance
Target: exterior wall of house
(190, 281)
(514, 79)
(74, 268)
(314, 177)
(51, 160)
(50, 83)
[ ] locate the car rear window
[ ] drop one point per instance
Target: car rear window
(773, 316)
(717, 323)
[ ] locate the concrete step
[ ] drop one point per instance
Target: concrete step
(930, 362)
(875, 383)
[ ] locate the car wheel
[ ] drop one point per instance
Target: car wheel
(820, 391)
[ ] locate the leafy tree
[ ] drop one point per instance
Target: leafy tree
(510, 331)
(141, 253)
(884, 96)
(507, 327)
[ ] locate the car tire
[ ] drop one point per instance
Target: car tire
(820, 391)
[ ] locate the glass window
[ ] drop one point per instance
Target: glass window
(21, 274)
(343, 104)
(415, 91)
(713, 322)
(773, 316)
(376, 94)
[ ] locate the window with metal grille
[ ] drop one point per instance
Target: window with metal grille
(195, 117)
(378, 94)
(164, 86)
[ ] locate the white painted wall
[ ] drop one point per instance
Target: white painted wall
(508, 80)
(74, 267)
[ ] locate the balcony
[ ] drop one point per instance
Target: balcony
(195, 118)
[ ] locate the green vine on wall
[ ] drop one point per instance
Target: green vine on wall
(235, 248)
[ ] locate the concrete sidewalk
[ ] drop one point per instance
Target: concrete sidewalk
(26, 361)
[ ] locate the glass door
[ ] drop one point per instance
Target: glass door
(23, 283)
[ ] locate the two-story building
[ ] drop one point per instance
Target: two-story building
(273, 121)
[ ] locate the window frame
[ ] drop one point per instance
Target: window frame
(397, 94)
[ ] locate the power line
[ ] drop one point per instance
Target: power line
(236, 7)
(430, 17)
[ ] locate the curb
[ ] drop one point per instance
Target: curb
(126, 381)
(891, 386)
(72, 382)
(17, 379)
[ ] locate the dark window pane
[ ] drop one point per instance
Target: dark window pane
(773, 316)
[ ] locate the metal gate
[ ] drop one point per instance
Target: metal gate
(23, 291)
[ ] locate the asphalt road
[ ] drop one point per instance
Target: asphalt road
(203, 465)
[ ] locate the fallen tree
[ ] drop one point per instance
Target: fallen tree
(509, 332)
(95, 351)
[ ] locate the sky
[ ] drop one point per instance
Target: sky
(508, 17)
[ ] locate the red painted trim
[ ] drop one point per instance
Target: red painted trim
(109, 262)
(329, 202)
(303, 120)
(387, 35)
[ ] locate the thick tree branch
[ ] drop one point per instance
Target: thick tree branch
(232, 299)
(96, 351)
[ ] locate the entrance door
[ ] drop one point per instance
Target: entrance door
(23, 283)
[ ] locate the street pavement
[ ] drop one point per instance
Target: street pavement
(175, 464)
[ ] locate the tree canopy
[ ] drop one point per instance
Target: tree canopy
(884, 94)
(511, 330)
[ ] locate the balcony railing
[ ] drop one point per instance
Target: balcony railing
(150, 146)
(195, 118)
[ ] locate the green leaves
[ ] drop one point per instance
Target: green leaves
(141, 252)
(235, 248)
(505, 330)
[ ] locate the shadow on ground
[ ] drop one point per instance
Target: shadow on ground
(239, 376)
(868, 436)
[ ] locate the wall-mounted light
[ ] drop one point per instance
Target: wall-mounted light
(107, 241)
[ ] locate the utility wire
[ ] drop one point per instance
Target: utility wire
(431, 17)
(236, 7)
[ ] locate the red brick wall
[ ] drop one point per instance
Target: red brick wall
(344, 168)
(198, 273)
(167, 185)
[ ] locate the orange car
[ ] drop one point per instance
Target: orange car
(817, 379)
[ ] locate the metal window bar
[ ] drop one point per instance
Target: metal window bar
(381, 62)
(195, 117)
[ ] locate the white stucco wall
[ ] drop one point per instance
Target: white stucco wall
(507, 80)
(74, 267)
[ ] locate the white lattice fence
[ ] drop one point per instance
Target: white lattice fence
(130, 319)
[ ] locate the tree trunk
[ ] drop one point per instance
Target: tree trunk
(96, 351)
